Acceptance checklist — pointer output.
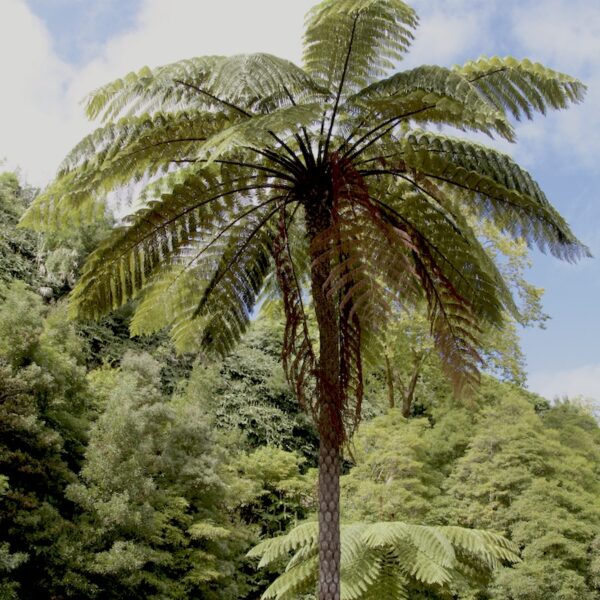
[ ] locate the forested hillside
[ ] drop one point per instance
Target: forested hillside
(129, 472)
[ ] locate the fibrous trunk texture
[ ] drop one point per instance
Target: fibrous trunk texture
(330, 421)
(329, 519)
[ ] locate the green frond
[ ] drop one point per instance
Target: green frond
(520, 86)
(165, 303)
(431, 94)
(157, 235)
(424, 570)
(300, 579)
(487, 546)
(356, 41)
(379, 560)
(147, 89)
(263, 82)
(432, 542)
(274, 549)
(206, 299)
(391, 584)
(360, 571)
(237, 85)
(58, 208)
(228, 300)
(161, 136)
(259, 131)
(501, 190)
(128, 151)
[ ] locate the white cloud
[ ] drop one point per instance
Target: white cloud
(450, 31)
(561, 32)
(41, 118)
(564, 36)
(580, 381)
(40, 112)
(34, 121)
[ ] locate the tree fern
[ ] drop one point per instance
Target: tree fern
(383, 560)
(314, 178)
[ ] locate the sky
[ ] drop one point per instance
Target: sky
(54, 52)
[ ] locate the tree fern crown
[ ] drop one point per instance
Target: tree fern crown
(258, 172)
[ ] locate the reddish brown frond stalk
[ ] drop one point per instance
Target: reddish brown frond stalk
(299, 360)
(454, 325)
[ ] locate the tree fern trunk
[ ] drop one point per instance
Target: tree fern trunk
(329, 518)
(330, 422)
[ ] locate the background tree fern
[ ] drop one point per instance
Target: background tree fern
(384, 560)
(328, 175)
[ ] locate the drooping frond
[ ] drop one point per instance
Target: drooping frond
(206, 298)
(520, 86)
(431, 94)
(367, 260)
(165, 303)
(463, 287)
(148, 89)
(125, 152)
(350, 43)
(501, 190)
(230, 295)
(159, 234)
(490, 547)
(381, 560)
(299, 357)
(388, 247)
(238, 84)
(161, 137)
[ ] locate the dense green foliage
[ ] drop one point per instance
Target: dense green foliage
(248, 391)
(153, 520)
(18, 248)
(507, 461)
(43, 423)
(122, 478)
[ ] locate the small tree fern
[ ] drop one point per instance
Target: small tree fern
(327, 176)
(383, 560)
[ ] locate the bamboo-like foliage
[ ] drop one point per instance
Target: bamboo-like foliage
(382, 560)
(326, 175)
